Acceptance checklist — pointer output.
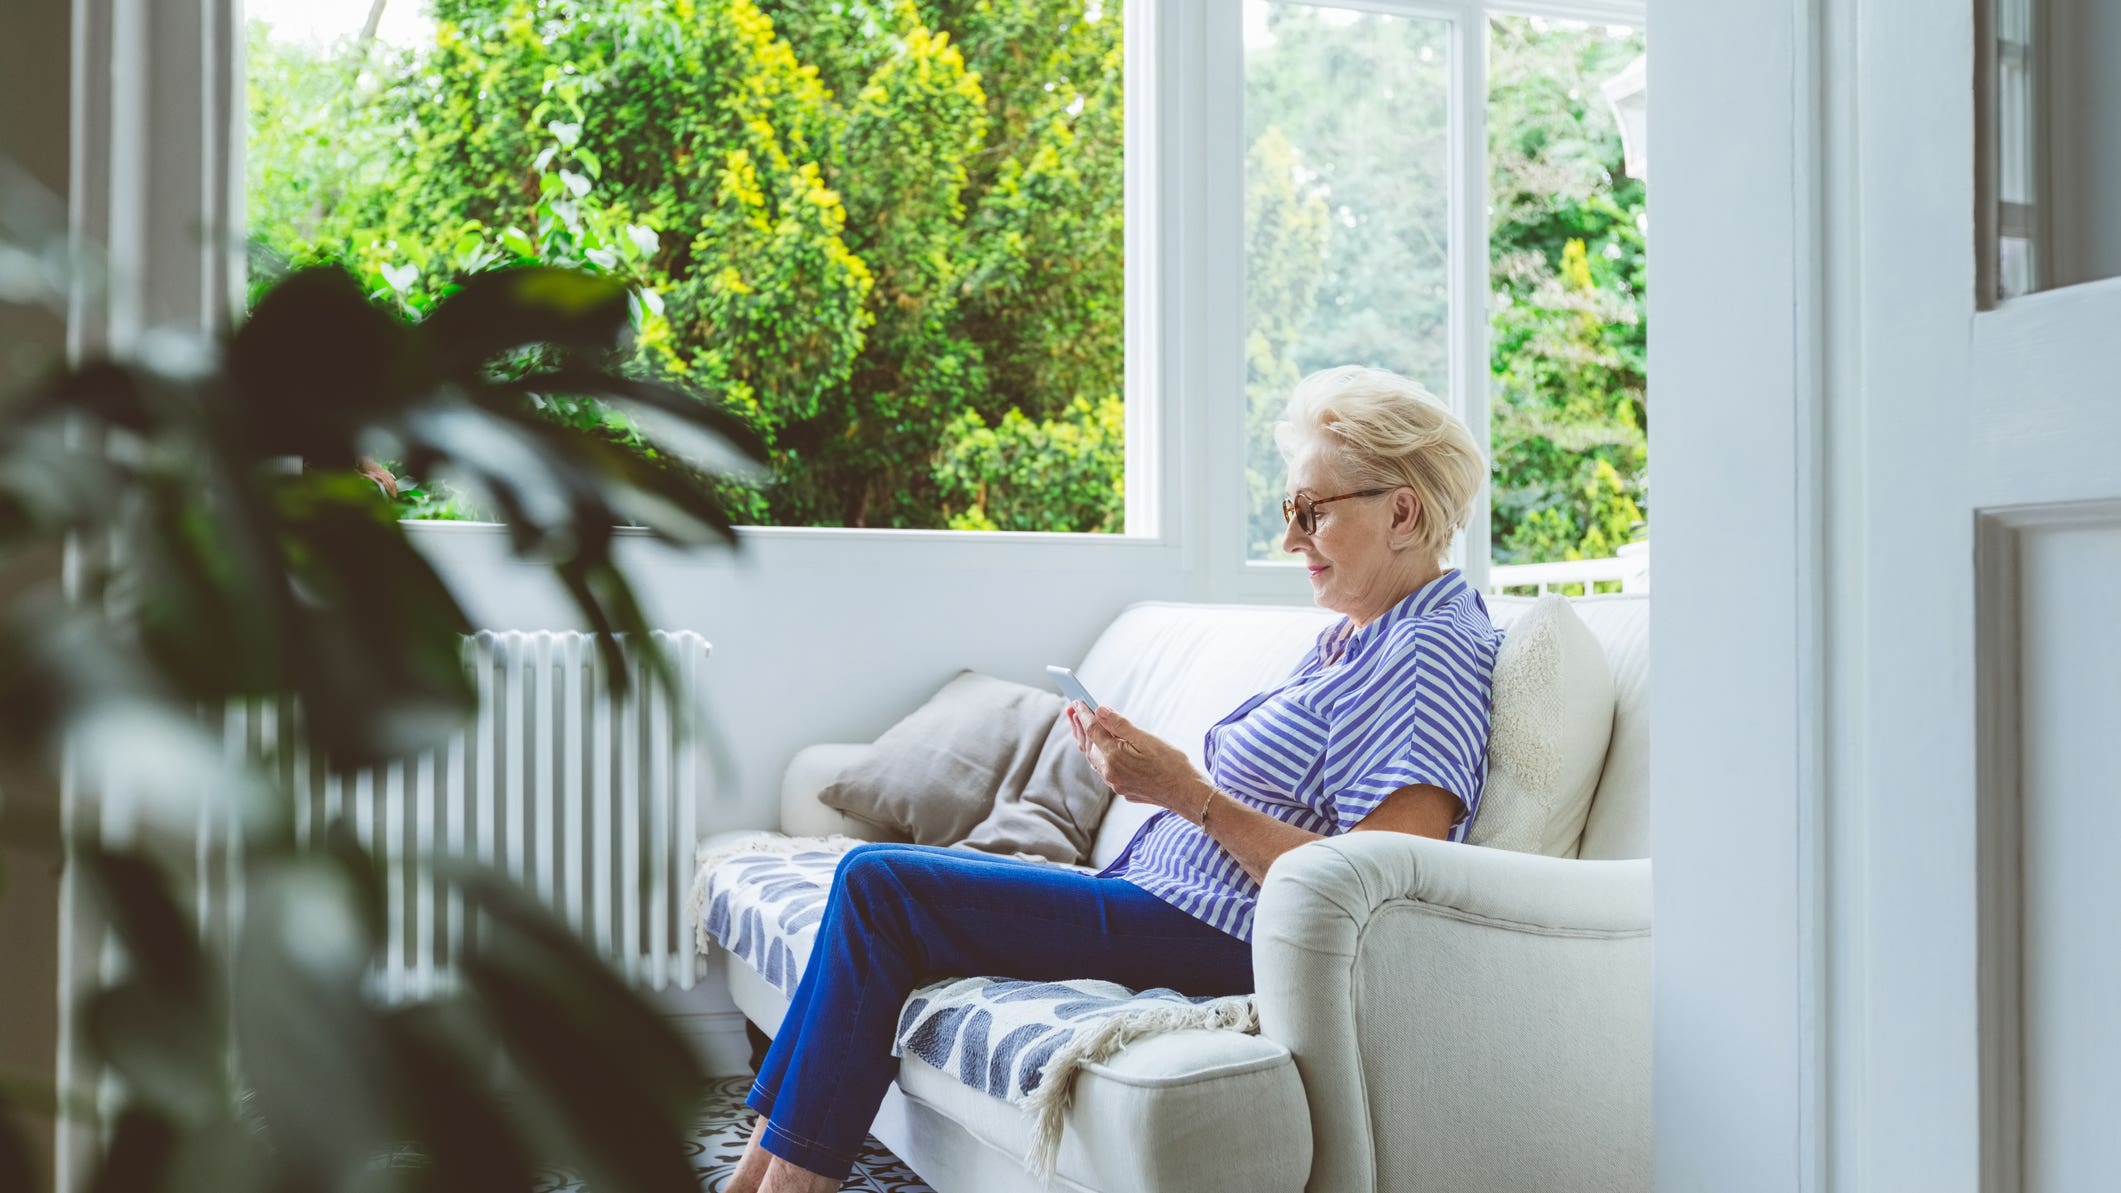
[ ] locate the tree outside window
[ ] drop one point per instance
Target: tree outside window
(888, 233)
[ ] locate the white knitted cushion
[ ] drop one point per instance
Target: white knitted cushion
(1553, 715)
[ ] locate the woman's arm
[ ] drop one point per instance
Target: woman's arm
(1143, 768)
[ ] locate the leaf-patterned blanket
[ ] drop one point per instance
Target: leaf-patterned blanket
(1021, 1041)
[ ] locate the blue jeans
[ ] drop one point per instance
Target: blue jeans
(902, 916)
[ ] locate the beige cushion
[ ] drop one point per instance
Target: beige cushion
(986, 763)
(1055, 815)
(1553, 715)
(1619, 826)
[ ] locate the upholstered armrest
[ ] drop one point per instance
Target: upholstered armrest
(810, 772)
(1462, 1016)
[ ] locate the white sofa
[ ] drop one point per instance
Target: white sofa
(1434, 1016)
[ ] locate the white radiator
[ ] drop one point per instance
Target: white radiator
(591, 804)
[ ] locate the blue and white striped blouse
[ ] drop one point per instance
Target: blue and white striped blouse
(1400, 701)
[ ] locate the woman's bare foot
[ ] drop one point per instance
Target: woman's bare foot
(750, 1174)
(784, 1177)
(760, 1171)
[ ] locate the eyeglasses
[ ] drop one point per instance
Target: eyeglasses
(1304, 512)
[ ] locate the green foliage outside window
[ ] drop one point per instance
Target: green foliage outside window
(889, 233)
(874, 229)
(1568, 351)
(1348, 199)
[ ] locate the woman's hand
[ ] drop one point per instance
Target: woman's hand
(1137, 765)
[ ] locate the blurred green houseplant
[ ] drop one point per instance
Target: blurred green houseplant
(210, 567)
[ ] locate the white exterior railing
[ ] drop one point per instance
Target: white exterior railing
(1630, 569)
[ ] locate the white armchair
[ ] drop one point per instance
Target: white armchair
(1461, 1018)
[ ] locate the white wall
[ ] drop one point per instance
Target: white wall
(1735, 548)
(833, 635)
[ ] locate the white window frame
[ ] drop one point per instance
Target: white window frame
(1248, 579)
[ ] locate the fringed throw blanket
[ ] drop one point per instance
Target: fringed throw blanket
(1024, 1041)
(1020, 1041)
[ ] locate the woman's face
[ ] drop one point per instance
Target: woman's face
(1354, 569)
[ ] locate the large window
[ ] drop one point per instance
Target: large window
(889, 233)
(1354, 230)
(893, 234)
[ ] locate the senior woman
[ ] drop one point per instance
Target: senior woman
(1382, 727)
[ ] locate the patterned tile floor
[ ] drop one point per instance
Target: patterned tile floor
(718, 1143)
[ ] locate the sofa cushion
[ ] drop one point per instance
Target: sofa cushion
(1619, 824)
(984, 762)
(1055, 814)
(1553, 715)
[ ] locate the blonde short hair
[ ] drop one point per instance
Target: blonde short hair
(1393, 433)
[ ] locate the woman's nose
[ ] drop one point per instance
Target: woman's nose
(1291, 537)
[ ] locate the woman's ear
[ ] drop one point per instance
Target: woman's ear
(1406, 517)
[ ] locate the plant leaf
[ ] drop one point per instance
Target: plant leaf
(301, 1015)
(116, 394)
(374, 653)
(506, 309)
(314, 357)
(169, 1050)
(225, 1156)
(134, 892)
(607, 1069)
(718, 421)
(638, 1039)
(138, 1156)
(463, 1130)
(363, 871)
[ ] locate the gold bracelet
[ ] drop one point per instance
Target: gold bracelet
(1203, 815)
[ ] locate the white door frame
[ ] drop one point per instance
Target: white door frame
(1742, 369)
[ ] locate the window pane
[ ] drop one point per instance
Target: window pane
(2056, 165)
(895, 247)
(1347, 209)
(1568, 231)
(2019, 233)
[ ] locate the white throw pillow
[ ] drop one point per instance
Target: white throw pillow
(1553, 714)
